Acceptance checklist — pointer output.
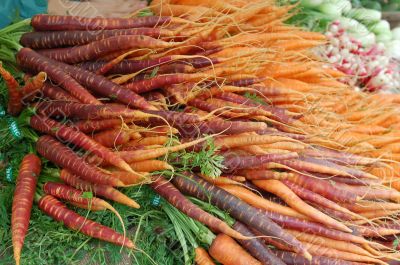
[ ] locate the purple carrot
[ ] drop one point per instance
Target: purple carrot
(29, 59)
(99, 48)
(43, 22)
(56, 93)
(256, 247)
(291, 258)
(64, 157)
(243, 212)
(54, 39)
(234, 162)
(245, 82)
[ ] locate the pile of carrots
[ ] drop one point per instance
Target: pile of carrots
(308, 167)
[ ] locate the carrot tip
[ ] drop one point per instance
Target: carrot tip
(307, 255)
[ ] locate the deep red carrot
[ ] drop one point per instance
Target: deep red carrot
(245, 82)
(22, 202)
(313, 228)
(70, 194)
(256, 246)
(69, 134)
(14, 94)
(169, 192)
(32, 86)
(64, 157)
(112, 138)
(103, 86)
(99, 48)
(324, 188)
(128, 66)
(282, 191)
(172, 117)
(278, 113)
(65, 109)
(147, 85)
(366, 192)
(315, 197)
(29, 59)
(226, 251)
(43, 22)
(234, 162)
(54, 39)
(89, 126)
(339, 157)
(104, 191)
(56, 93)
(174, 68)
(243, 212)
(219, 126)
(291, 258)
(59, 212)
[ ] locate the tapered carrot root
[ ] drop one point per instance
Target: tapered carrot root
(51, 22)
(246, 139)
(234, 162)
(70, 194)
(315, 197)
(54, 39)
(281, 190)
(130, 178)
(240, 210)
(141, 155)
(202, 258)
(30, 59)
(22, 202)
(64, 109)
(104, 191)
(59, 212)
(98, 48)
(66, 133)
(64, 157)
(14, 94)
(226, 251)
(256, 246)
(168, 191)
(254, 200)
(33, 85)
(112, 138)
(89, 126)
(56, 93)
(150, 166)
(291, 258)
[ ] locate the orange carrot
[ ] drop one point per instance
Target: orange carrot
(22, 202)
(201, 257)
(261, 203)
(33, 85)
(14, 93)
(281, 190)
(226, 251)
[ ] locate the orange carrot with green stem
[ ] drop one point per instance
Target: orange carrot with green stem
(104, 191)
(22, 202)
(33, 85)
(59, 212)
(14, 94)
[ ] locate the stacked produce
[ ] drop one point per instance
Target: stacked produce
(224, 112)
(361, 43)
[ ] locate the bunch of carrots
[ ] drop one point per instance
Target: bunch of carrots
(300, 162)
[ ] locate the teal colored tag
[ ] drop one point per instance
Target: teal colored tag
(156, 200)
(9, 174)
(13, 126)
(2, 111)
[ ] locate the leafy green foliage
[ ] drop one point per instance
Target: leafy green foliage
(254, 97)
(207, 160)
